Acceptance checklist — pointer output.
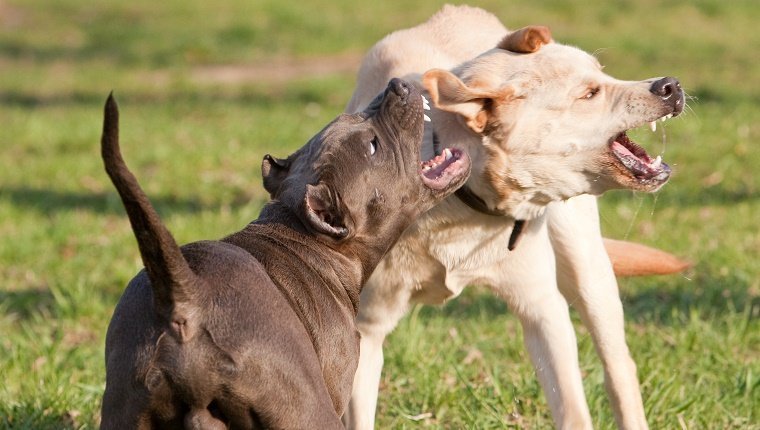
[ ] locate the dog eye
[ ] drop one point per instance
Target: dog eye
(590, 93)
(373, 146)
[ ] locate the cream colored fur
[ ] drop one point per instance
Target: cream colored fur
(545, 154)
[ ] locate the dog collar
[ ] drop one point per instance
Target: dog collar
(476, 203)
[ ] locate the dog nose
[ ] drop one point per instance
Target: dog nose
(665, 87)
(399, 87)
(669, 90)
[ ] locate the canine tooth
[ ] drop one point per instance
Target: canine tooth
(425, 103)
(427, 118)
(447, 153)
(653, 126)
(656, 163)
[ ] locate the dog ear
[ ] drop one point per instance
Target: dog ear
(274, 171)
(474, 104)
(323, 211)
(526, 40)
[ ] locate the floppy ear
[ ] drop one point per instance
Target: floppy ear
(323, 211)
(526, 40)
(274, 171)
(474, 104)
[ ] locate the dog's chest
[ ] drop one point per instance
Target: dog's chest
(437, 258)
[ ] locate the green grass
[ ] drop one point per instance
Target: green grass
(66, 250)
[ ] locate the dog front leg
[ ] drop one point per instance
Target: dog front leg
(360, 414)
(550, 340)
(381, 307)
(549, 336)
(587, 281)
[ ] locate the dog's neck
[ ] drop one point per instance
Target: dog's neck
(321, 284)
(345, 267)
(481, 193)
(432, 145)
(476, 203)
(278, 234)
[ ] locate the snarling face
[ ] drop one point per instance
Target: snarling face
(361, 176)
(552, 122)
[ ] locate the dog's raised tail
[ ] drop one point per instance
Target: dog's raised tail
(635, 259)
(167, 269)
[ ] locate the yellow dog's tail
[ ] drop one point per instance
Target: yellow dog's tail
(634, 259)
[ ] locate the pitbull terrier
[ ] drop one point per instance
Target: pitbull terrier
(256, 330)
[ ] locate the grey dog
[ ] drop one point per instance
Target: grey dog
(256, 330)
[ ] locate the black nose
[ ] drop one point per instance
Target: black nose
(669, 90)
(399, 87)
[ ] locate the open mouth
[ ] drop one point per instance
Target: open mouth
(642, 167)
(450, 169)
(446, 169)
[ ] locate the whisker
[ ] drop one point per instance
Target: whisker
(654, 204)
(599, 51)
(635, 216)
(663, 140)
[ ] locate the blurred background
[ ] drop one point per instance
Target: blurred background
(207, 88)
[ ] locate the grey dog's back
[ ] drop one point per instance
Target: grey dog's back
(203, 319)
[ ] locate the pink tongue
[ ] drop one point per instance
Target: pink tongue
(617, 147)
(435, 171)
(443, 163)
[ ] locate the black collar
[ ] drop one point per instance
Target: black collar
(476, 203)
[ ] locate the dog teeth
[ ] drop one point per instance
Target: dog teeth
(656, 163)
(427, 118)
(666, 117)
(653, 126)
(447, 153)
(425, 103)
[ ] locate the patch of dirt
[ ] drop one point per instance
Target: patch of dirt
(10, 17)
(278, 70)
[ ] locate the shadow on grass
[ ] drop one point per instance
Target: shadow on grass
(473, 303)
(45, 55)
(49, 201)
(715, 196)
(26, 303)
(667, 303)
(26, 100)
(248, 96)
(708, 296)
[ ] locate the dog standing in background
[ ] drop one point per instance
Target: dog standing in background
(546, 131)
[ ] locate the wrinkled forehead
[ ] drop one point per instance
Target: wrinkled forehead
(342, 135)
(347, 130)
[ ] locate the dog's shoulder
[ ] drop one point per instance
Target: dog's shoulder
(214, 258)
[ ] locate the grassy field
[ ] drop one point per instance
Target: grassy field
(207, 88)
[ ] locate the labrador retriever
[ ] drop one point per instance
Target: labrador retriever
(546, 129)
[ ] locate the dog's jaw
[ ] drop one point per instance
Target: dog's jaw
(641, 169)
